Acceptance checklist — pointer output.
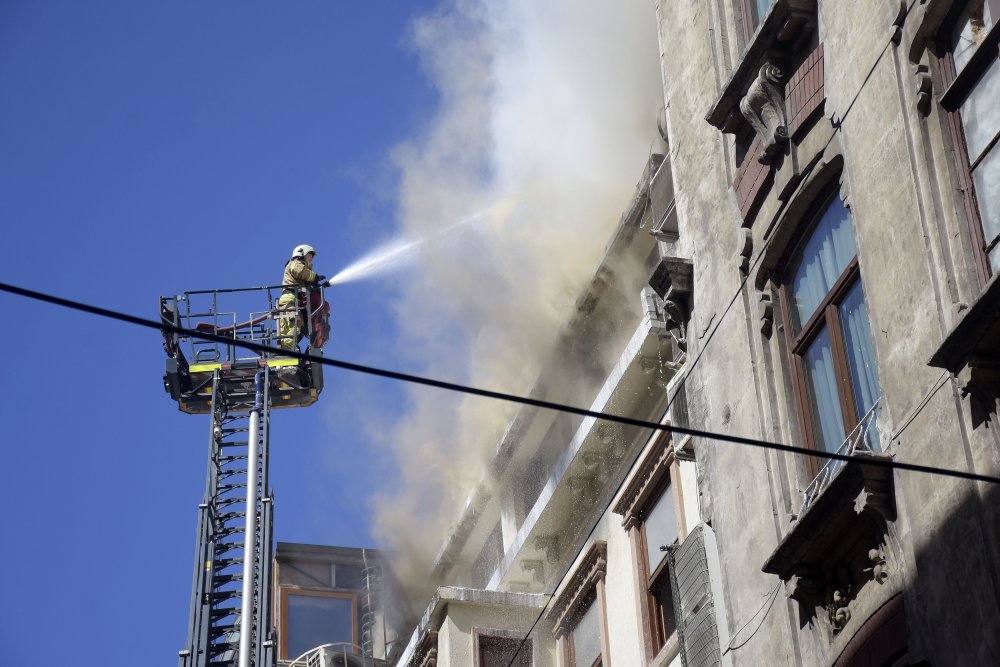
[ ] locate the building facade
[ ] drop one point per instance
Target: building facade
(811, 260)
(328, 606)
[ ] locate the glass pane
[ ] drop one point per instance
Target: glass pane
(981, 112)
(820, 261)
(587, 636)
(315, 620)
(970, 31)
(987, 180)
(661, 591)
(504, 652)
(821, 390)
(860, 355)
(661, 528)
(760, 8)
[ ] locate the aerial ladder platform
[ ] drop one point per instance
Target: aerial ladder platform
(230, 618)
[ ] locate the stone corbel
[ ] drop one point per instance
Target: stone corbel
(879, 569)
(838, 610)
(536, 569)
(925, 85)
(550, 545)
(744, 249)
(765, 309)
(764, 108)
(673, 280)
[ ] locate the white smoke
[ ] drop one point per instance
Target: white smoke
(546, 119)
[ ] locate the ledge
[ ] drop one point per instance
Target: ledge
(786, 26)
(975, 339)
(856, 489)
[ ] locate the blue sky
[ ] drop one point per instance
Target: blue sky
(153, 148)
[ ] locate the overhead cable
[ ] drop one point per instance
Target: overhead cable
(487, 393)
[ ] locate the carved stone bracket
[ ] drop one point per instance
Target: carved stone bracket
(550, 545)
(744, 248)
(838, 610)
(839, 544)
(673, 281)
(765, 309)
(536, 569)
(925, 84)
(764, 108)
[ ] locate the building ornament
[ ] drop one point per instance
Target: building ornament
(838, 610)
(426, 655)
(578, 592)
(673, 280)
(839, 543)
(764, 108)
(649, 472)
(550, 545)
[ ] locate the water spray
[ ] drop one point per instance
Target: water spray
(395, 254)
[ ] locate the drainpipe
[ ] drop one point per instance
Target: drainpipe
(250, 534)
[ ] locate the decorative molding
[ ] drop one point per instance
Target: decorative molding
(673, 281)
(764, 108)
(550, 545)
(744, 249)
(650, 471)
(765, 311)
(579, 589)
(839, 544)
(782, 34)
(535, 568)
(427, 650)
(925, 89)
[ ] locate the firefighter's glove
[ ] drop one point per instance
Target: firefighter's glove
(320, 280)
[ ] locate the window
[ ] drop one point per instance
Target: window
(583, 645)
(754, 12)
(972, 63)
(828, 331)
(313, 618)
(577, 613)
(650, 508)
(502, 651)
(657, 531)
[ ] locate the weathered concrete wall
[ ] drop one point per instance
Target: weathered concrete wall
(895, 170)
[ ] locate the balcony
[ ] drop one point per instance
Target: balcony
(838, 543)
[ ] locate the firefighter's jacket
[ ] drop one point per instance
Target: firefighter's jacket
(297, 274)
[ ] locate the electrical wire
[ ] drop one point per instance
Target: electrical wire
(768, 603)
(487, 393)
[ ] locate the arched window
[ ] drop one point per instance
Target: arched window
(828, 331)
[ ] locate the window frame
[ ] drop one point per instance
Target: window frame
(486, 635)
(285, 591)
(958, 87)
(661, 573)
(584, 588)
(826, 317)
(751, 20)
(568, 655)
(658, 472)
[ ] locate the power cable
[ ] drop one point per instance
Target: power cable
(487, 393)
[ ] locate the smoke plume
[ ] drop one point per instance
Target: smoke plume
(546, 117)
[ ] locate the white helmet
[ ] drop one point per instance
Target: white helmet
(303, 250)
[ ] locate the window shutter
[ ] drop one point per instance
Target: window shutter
(695, 579)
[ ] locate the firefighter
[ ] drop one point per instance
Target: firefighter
(291, 312)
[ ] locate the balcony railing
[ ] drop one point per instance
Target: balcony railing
(861, 439)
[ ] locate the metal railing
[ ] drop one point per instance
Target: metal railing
(861, 439)
(324, 656)
(220, 312)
